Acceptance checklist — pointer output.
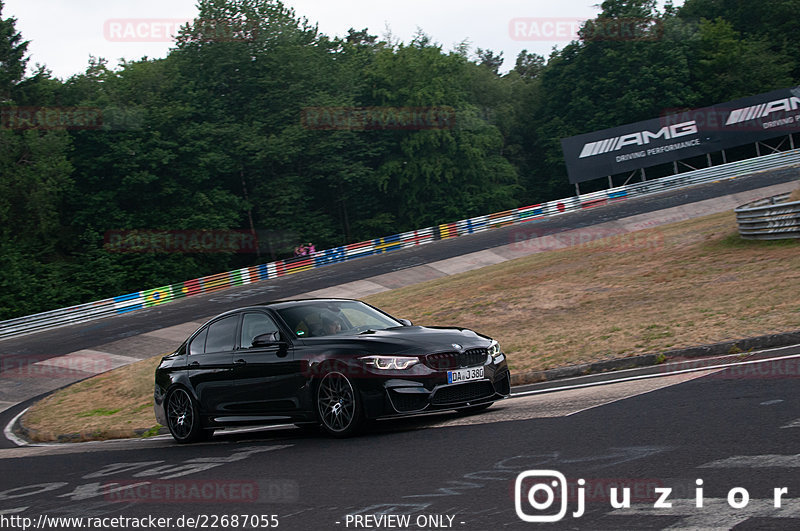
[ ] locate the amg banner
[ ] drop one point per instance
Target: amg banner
(681, 135)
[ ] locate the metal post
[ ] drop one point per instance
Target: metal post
(675, 167)
(724, 158)
(758, 150)
(629, 178)
(644, 177)
(577, 189)
(610, 182)
(791, 140)
(708, 158)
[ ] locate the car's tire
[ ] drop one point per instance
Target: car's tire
(338, 404)
(183, 418)
(475, 409)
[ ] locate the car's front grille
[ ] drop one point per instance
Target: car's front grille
(456, 360)
(443, 360)
(465, 392)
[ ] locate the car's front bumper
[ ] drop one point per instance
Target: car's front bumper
(409, 394)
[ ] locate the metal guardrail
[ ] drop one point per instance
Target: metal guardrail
(151, 297)
(773, 218)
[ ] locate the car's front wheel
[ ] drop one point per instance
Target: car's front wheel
(339, 405)
(183, 419)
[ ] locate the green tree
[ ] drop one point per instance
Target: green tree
(35, 175)
(606, 79)
(529, 65)
(439, 173)
(12, 57)
(775, 23)
(725, 66)
(490, 60)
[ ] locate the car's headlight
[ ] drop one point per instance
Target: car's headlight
(387, 363)
(495, 352)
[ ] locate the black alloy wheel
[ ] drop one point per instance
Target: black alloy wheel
(182, 418)
(338, 405)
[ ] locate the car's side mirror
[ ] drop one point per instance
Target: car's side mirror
(265, 340)
(405, 322)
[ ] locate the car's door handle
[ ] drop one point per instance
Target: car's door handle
(240, 362)
(194, 364)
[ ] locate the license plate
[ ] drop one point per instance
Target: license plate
(465, 375)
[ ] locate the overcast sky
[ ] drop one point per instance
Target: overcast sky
(64, 33)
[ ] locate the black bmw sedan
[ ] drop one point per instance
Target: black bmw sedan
(326, 362)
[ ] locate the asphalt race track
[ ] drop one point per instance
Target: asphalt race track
(733, 428)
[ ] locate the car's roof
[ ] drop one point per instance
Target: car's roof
(300, 302)
(276, 305)
(279, 305)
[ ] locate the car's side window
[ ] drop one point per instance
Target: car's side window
(222, 334)
(255, 324)
(198, 344)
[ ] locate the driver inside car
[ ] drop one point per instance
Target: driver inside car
(331, 326)
(327, 324)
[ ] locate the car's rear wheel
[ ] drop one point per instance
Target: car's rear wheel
(338, 405)
(183, 419)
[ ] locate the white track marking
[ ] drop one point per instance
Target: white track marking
(9, 433)
(756, 461)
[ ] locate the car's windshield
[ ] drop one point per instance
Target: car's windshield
(327, 318)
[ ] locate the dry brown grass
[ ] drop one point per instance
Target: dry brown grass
(685, 284)
(107, 406)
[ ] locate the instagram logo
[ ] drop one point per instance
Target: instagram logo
(539, 490)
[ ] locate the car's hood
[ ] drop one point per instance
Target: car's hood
(408, 340)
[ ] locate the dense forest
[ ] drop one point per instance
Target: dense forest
(257, 122)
